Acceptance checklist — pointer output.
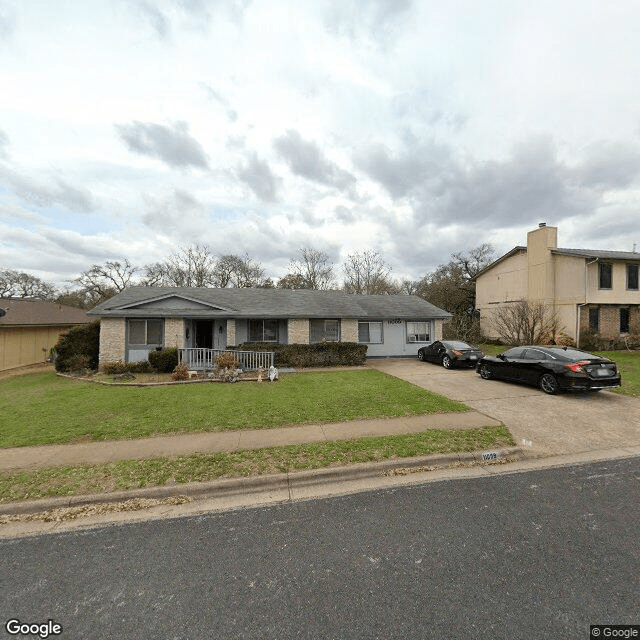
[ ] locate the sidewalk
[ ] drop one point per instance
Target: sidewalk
(23, 458)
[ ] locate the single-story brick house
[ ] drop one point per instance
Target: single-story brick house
(29, 328)
(141, 319)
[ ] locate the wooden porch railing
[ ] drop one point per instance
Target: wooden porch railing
(198, 359)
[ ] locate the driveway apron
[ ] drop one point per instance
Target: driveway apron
(542, 424)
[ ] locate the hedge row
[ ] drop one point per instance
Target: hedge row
(322, 354)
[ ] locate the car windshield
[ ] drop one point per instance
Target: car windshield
(456, 344)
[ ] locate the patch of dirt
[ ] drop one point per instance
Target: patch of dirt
(24, 371)
(73, 513)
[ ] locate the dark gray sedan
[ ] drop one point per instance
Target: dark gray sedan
(450, 353)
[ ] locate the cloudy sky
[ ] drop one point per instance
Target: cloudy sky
(412, 127)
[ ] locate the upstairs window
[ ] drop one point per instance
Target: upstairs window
(632, 276)
(605, 275)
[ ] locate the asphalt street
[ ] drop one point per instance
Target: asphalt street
(538, 554)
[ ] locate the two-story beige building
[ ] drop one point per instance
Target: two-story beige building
(590, 290)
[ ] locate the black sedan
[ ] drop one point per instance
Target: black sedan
(552, 369)
(450, 353)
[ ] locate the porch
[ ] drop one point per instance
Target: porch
(200, 359)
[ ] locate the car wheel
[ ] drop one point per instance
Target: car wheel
(485, 372)
(421, 356)
(548, 383)
(446, 362)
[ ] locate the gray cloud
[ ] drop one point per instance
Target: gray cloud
(376, 18)
(178, 211)
(400, 174)
(609, 165)
(154, 18)
(170, 143)
(214, 95)
(259, 177)
(305, 159)
(530, 185)
(7, 23)
(56, 192)
(4, 142)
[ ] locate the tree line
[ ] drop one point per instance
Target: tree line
(450, 286)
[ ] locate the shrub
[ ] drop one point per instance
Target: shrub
(321, 354)
(79, 348)
(164, 360)
(226, 360)
(181, 372)
(111, 368)
(120, 366)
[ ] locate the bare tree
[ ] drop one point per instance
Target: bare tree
(311, 270)
(527, 322)
(240, 272)
(103, 281)
(191, 266)
(197, 266)
(18, 284)
(368, 273)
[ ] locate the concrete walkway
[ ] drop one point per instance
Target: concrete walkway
(21, 458)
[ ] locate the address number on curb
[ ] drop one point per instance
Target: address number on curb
(490, 455)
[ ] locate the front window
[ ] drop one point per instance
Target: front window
(594, 319)
(146, 332)
(632, 276)
(263, 331)
(418, 331)
(324, 330)
(370, 332)
(624, 320)
(605, 275)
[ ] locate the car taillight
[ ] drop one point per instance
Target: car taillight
(577, 366)
(456, 353)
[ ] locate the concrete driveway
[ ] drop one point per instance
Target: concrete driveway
(545, 425)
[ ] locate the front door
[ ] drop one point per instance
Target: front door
(203, 334)
(219, 334)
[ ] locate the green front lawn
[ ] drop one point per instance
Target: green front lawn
(44, 408)
(133, 474)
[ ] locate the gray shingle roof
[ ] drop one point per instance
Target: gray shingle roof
(596, 253)
(266, 303)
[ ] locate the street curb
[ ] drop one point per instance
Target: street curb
(268, 483)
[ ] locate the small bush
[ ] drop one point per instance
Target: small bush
(226, 360)
(164, 360)
(79, 348)
(181, 372)
(120, 366)
(111, 368)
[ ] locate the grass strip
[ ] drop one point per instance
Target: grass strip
(46, 409)
(134, 474)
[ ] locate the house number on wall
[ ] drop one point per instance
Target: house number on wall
(394, 321)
